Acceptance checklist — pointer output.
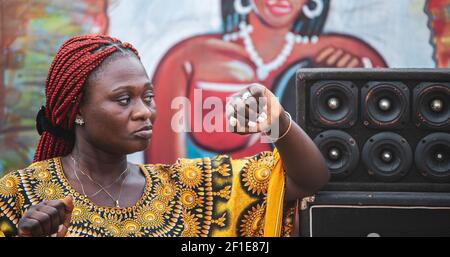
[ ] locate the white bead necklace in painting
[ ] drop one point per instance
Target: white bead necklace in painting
(263, 69)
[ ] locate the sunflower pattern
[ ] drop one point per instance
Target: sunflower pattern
(192, 198)
(256, 173)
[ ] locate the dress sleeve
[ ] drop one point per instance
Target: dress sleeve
(225, 197)
(262, 177)
(11, 202)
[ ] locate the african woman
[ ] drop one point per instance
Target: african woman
(99, 108)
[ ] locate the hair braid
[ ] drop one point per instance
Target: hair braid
(74, 62)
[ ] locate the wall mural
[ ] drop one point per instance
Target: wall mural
(217, 46)
(30, 34)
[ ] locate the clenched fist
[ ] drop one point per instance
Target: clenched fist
(254, 109)
(48, 218)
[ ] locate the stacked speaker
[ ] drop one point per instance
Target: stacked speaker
(380, 130)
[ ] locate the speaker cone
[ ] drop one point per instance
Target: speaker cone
(431, 103)
(340, 152)
(334, 104)
(432, 157)
(385, 105)
(387, 156)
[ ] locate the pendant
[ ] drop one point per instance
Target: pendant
(117, 204)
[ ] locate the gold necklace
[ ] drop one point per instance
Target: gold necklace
(102, 188)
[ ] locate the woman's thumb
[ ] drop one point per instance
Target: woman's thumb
(68, 203)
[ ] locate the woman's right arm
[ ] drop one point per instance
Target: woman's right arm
(44, 219)
(48, 218)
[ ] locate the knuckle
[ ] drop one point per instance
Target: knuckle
(43, 217)
(32, 224)
(56, 204)
(31, 211)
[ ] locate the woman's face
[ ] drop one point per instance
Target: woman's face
(119, 108)
(278, 13)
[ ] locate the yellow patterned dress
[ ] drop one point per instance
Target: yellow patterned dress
(215, 196)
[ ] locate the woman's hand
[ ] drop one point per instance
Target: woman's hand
(306, 170)
(252, 110)
(49, 218)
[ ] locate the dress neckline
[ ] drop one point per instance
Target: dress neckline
(76, 194)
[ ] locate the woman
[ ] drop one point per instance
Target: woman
(264, 41)
(99, 108)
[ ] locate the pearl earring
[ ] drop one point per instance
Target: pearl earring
(79, 121)
(316, 12)
(242, 10)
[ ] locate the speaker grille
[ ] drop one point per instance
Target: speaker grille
(395, 110)
(431, 105)
(334, 104)
(385, 104)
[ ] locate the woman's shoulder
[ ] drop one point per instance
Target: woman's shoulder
(36, 170)
(189, 165)
(223, 163)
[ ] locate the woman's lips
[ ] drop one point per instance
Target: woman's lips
(144, 134)
(279, 8)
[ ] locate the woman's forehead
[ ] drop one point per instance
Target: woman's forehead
(123, 70)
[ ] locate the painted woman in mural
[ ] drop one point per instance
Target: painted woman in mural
(264, 41)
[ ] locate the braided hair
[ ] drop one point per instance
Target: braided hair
(76, 61)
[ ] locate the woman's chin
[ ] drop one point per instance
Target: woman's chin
(279, 22)
(139, 147)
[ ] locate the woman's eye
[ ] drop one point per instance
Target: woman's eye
(124, 100)
(148, 98)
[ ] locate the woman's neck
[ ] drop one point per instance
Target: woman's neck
(268, 41)
(264, 30)
(99, 165)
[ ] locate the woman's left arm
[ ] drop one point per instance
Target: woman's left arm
(305, 167)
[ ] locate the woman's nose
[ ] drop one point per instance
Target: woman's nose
(144, 111)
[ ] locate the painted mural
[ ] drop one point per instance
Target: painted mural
(30, 34)
(214, 45)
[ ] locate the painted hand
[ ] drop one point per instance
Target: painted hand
(334, 57)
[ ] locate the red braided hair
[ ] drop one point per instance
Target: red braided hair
(75, 61)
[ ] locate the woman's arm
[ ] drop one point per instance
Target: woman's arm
(306, 170)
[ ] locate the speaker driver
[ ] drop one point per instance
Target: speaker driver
(334, 104)
(432, 157)
(385, 104)
(431, 105)
(340, 152)
(387, 156)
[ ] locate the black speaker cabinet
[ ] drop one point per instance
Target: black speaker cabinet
(379, 129)
(375, 214)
